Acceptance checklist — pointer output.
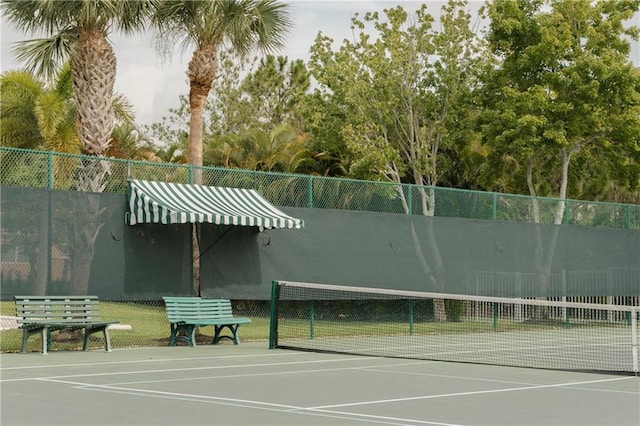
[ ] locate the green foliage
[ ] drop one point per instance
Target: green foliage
(19, 91)
(38, 115)
(401, 96)
(563, 92)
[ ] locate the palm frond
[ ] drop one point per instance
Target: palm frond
(50, 111)
(123, 109)
(45, 56)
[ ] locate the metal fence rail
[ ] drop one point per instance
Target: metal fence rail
(39, 169)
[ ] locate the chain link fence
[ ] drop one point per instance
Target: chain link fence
(143, 322)
(37, 169)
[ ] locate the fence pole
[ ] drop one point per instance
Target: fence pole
(50, 178)
(50, 187)
(494, 212)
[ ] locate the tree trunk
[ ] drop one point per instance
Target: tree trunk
(202, 71)
(427, 197)
(41, 268)
(195, 229)
(94, 74)
(84, 231)
(93, 66)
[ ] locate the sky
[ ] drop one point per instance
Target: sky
(153, 85)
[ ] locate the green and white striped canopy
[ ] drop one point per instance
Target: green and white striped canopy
(167, 203)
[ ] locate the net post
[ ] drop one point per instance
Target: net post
(273, 328)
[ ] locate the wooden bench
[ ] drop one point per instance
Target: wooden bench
(44, 314)
(186, 314)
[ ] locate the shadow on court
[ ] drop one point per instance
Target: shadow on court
(252, 385)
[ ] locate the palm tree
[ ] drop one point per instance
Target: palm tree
(38, 115)
(77, 30)
(281, 150)
(208, 25)
(19, 94)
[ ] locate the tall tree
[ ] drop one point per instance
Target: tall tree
(208, 25)
(281, 150)
(37, 115)
(400, 95)
(19, 92)
(562, 90)
(276, 88)
(262, 93)
(78, 30)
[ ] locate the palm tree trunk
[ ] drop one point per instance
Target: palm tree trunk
(94, 74)
(202, 70)
(84, 232)
(43, 253)
(197, 101)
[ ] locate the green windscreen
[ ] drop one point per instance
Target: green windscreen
(67, 242)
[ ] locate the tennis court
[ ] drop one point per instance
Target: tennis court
(250, 384)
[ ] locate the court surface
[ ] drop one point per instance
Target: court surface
(249, 384)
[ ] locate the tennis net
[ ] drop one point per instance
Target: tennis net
(486, 330)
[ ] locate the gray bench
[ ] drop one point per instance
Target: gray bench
(44, 314)
(186, 314)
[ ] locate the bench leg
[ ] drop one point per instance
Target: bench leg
(174, 333)
(188, 334)
(107, 339)
(25, 339)
(105, 332)
(219, 336)
(46, 336)
(192, 335)
(87, 336)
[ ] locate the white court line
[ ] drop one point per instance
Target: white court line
(477, 379)
(215, 367)
(371, 416)
(81, 364)
(447, 395)
(324, 411)
(245, 403)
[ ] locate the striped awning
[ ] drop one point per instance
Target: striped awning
(168, 203)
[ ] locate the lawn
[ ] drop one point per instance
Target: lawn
(148, 327)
